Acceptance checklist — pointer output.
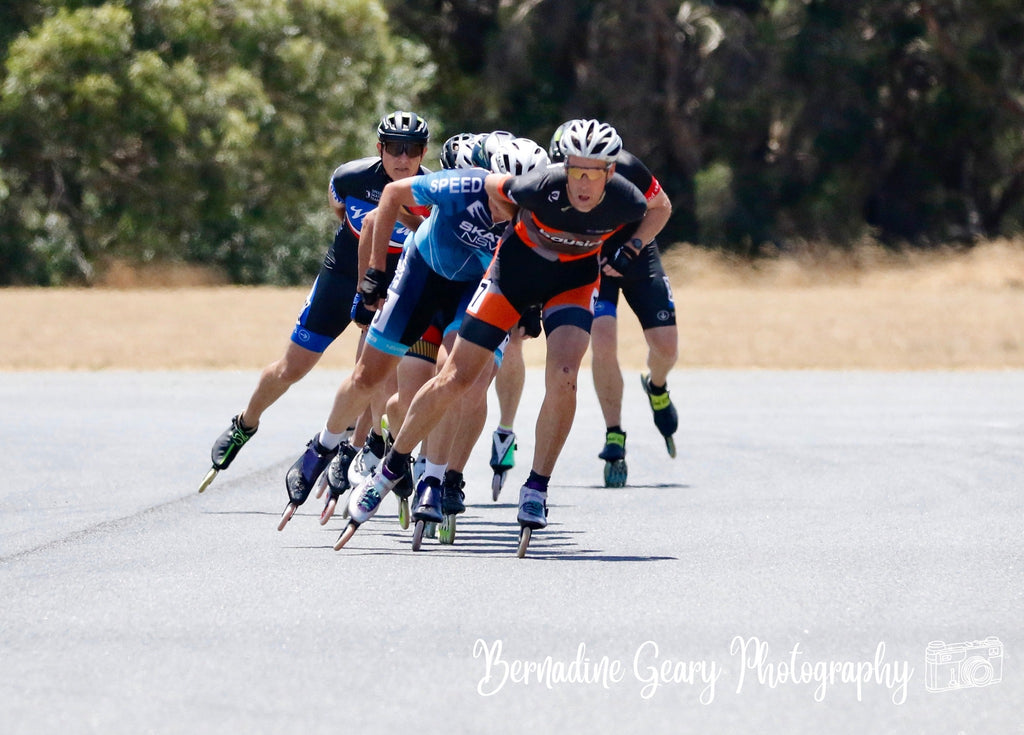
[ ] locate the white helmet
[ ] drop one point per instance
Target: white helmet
(518, 156)
(487, 144)
(457, 151)
(590, 139)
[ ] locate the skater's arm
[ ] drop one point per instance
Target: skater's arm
(502, 207)
(396, 195)
(659, 209)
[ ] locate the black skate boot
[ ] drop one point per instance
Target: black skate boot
(453, 502)
(665, 416)
(226, 448)
(614, 455)
(335, 480)
(303, 474)
(426, 510)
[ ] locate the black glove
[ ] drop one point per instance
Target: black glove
(625, 255)
(374, 286)
(360, 314)
(530, 321)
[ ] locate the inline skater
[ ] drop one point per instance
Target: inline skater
(648, 293)
(355, 189)
(548, 257)
(440, 270)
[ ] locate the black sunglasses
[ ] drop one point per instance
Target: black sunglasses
(397, 148)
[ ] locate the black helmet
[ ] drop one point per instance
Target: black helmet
(457, 151)
(403, 126)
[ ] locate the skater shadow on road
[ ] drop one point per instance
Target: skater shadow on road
(480, 538)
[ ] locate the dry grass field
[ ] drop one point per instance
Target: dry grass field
(865, 309)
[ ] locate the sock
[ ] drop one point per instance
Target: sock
(615, 429)
(244, 426)
(657, 390)
(434, 470)
(396, 464)
(375, 442)
(502, 429)
(538, 482)
(328, 439)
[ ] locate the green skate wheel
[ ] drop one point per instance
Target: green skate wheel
(417, 535)
(615, 473)
(446, 534)
(525, 532)
(403, 512)
(208, 479)
(431, 530)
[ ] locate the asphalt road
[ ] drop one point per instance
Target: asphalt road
(785, 573)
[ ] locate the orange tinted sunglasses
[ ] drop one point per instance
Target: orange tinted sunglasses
(586, 172)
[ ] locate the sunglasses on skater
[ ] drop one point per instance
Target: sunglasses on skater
(594, 173)
(397, 148)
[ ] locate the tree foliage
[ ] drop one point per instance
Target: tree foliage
(205, 130)
(202, 130)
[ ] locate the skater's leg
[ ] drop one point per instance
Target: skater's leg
(412, 373)
(276, 379)
(457, 376)
(605, 367)
(355, 392)
(662, 352)
(566, 345)
(508, 384)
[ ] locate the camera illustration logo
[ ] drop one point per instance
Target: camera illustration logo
(951, 666)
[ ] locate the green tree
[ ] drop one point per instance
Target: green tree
(201, 130)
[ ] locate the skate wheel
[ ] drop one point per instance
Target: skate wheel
(208, 479)
(286, 516)
(321, 485)
(417, 535)
(403, 512)
(346, 535)
(431, 530)
(670, 445)
(497, 483)
(446, 534)
(328, 511)
(525, 532)
(615, 473)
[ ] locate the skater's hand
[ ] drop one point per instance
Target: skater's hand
(624, 257)
(529, 322)
(373, 287)
(360, 314)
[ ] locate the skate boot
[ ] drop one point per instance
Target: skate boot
(614, 455)
(335, 480)
(418, 468)
(403, 491)
(503, 458)
(368, 458)
(665, 416)
(426, 510)
(365, 502)
(303, 474)
(453, 502)
(533, 514)
(226, 448)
